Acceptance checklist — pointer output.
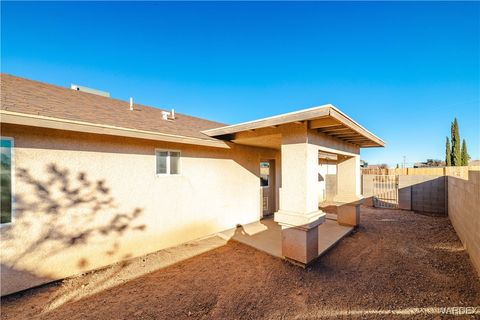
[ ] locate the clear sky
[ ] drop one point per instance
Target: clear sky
(402, 70)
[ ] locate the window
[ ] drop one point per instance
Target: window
(6, 214)
(168, 162)
(264, 173)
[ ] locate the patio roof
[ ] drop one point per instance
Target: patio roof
(326, 119)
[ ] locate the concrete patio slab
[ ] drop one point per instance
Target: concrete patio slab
(266, 235)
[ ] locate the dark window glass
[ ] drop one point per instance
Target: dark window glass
(6, 180)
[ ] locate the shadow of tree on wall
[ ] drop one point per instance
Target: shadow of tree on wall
(62, 212)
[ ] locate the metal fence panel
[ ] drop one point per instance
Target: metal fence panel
(385, 191)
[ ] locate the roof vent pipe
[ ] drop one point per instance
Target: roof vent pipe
(131, 104)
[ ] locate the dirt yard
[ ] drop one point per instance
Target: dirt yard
(397, 264)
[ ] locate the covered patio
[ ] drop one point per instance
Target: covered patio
(266, 235)
(301, 140)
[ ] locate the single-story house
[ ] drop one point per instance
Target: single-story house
(88, 180)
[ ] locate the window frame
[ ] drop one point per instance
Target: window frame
(12, 181)
(168, 173)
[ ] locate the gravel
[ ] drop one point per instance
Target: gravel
(397, 264)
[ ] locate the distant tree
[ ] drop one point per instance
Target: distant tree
(383, 166)
(448, 157)
(398, 166)
(464, 155)
(456, 154)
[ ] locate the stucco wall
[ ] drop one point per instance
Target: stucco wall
(331, 187)
(464, 212)
(84, 201)
(326, 169)
(367, 189)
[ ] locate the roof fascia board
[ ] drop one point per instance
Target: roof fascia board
(349, 122)
(300, 115)
(78, 126)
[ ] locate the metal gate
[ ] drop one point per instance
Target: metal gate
(385, 191)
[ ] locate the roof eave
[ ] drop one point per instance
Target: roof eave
(327, 110)
(87, 127)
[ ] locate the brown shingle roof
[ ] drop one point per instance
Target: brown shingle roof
(38, 98)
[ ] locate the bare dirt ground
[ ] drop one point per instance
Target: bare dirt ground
(398, 264)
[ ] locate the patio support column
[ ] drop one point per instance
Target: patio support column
(348, 190)
(298, 214)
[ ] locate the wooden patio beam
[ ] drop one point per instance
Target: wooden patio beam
(323, 123)
(335, 130)
(344, 136)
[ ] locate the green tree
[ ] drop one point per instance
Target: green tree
(464, 157)
(456, 154)
(448, 157)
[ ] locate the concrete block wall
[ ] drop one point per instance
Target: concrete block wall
(405, 198)
(464, 212)
(424, 193)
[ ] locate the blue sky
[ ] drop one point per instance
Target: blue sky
(403, 70)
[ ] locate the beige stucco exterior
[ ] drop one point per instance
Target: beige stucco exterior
(87, 195)
(84, 201)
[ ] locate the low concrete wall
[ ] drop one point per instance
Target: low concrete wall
(464, 212)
